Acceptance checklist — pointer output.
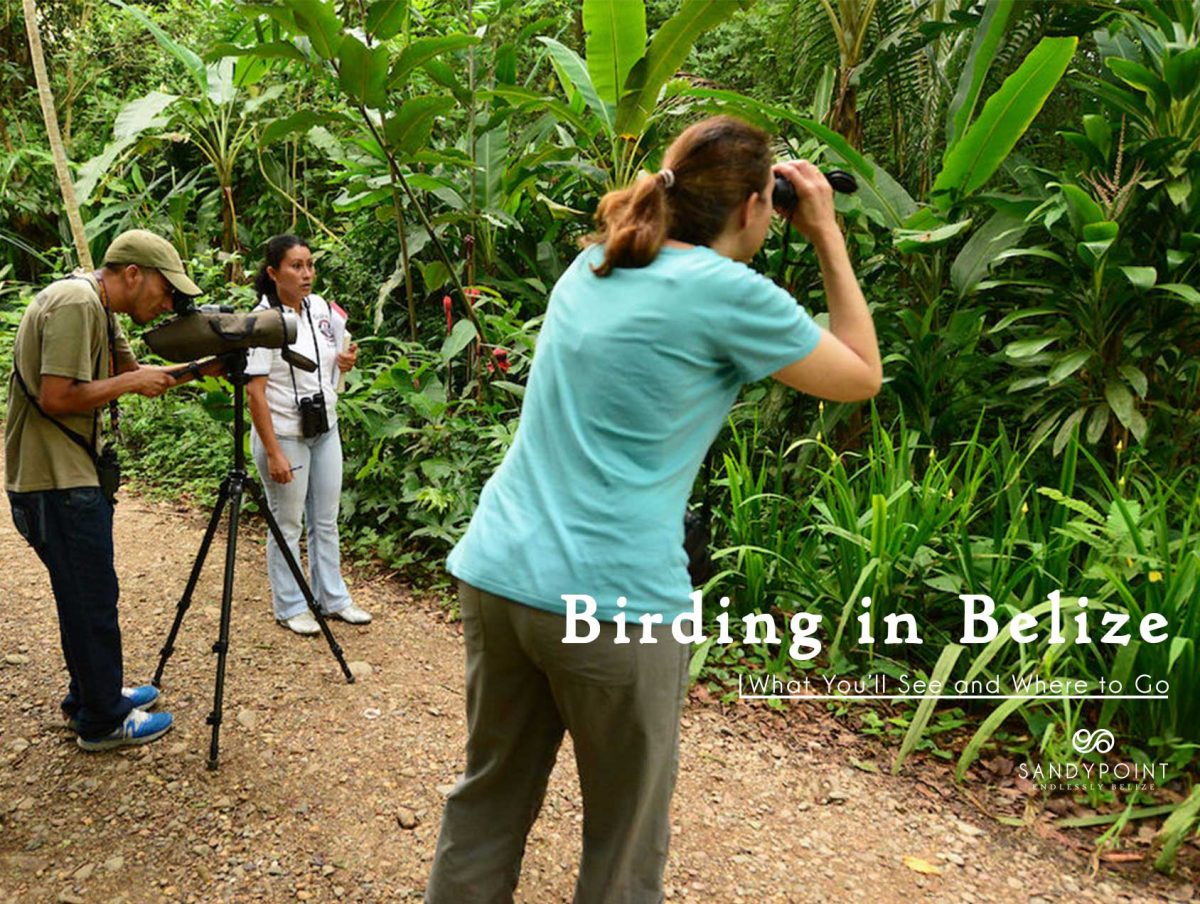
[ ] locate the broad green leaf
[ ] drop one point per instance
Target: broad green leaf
(363, 72)
(1044, 253)
(1136, 379)
(1097, 422)
(1187, 293)
(424, 50)
(297, 122)
(221, 87)
(1009, 319)
(1026, 383)
(318, 20)
(272, 93)
(527, 99)
(910, 241)
(460, 337)
(491, 156)
(385, 18)
(616, 39)
(1068, 364)
(1104, 231)
(269, 50)
(1120, 400)
(1178, 190)
(1138, 426)
(1002, 231)
(1099, 132)
(191, 62)
(93, 171)
(574, 74)
(1081, 207)
(1143, 79)
(1142, 278)
(1182, 72)
(668, 49)
(1025, 348)
(1067, 430)
(506, 64)
(409, 129)
(138, 115)
(989, 34)
(1179, 646)
(1006, 116)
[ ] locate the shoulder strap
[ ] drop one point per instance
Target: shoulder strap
(76, 438)
(114, 412)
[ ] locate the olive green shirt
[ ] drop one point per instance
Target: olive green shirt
(63, 333)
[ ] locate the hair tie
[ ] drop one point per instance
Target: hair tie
(667, 176)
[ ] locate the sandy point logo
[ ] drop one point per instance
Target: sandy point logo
(1100, 740)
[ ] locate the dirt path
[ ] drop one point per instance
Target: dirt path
(333, 792)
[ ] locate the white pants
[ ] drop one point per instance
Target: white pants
(314, 493)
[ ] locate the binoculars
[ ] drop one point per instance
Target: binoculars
(785, 194)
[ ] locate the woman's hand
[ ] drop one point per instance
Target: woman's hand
(280, 467)
(814, 213)
(346, 359)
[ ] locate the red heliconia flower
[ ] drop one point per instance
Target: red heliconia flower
(501, 356)
(449, 316)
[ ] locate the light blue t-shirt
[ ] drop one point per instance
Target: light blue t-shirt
(633, 378)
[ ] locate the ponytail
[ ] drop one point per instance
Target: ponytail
(634, 223)
(264, 285)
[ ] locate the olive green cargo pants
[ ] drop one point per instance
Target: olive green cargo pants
(620, 702)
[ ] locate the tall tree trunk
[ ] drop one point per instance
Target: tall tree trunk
(46, 96)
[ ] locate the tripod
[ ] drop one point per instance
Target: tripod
(236, 481)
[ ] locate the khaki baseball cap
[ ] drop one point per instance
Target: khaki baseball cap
(137, 246)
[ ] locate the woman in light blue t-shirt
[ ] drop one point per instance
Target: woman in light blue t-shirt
(573, 566)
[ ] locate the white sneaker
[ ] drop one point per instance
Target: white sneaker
(304, 623)
(351, 614)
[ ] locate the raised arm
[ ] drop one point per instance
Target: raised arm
(845, 366)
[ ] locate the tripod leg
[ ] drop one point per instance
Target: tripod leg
(186, 600)
(221, 647)
(257, 493)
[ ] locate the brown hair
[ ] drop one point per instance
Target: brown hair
(716, 163)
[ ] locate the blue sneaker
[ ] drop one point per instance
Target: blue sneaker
(144, 696)
(138, 728)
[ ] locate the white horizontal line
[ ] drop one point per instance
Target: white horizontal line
(953, 697)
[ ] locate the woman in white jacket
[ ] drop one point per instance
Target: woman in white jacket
(295, 438)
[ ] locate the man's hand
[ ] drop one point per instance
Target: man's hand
(346, 359)
(62, 395)
(150, 381)
(814, 213)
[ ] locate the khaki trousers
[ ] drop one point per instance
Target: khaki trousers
(620, 702)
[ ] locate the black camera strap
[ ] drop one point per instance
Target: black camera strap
(316, 354)
(114, 411)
